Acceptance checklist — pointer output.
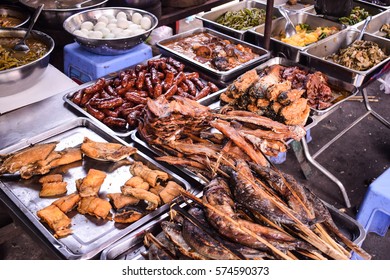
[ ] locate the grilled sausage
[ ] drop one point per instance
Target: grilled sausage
(115, 122)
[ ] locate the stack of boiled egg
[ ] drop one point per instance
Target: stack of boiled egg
(110, 26)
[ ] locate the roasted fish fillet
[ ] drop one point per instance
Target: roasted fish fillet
(106, 151)
(53, 189)
(170, 192)
(119, 200)
(12, 163)
(128, 216)
(90, 185)
(95, 206)
(67, 203)
(51, 178)
(153, 200)
(56, 219)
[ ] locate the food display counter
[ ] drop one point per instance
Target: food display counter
(197, 129)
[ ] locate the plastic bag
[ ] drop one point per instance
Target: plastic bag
(333, 8)
(385, 83)
(158, 34)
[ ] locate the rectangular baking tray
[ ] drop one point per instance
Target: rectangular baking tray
(334, 83)
(209, 18)
(300, 6)
(384, 4)
(221, 75)
(131, 247)
(376, 23)
(125, 132)
(279, 48)
(90, 235)
(314, 57)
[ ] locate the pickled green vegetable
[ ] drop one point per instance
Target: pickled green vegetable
(242, 19)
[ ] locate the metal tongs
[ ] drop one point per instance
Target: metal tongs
(289, 27)
(366, 22)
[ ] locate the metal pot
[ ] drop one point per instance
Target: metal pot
(56, 12)
(17, 79)
(133, 3)
(16, 12)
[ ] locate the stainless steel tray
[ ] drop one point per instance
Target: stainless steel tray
(209, 18)
(124, 132)
(90, 235)
(279, 48)
(335, 83)
(300, 6)
(380, 4)
(376, 23)
(314, 57)
(131, 247)
(222, 75)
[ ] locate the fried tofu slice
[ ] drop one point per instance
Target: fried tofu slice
(171, 191)
(106, 151)
(95, 206)
(128, 216)
(90, 185)
(56, 220)
(53, 189)
(67, 203)
(153, 177)
(51, 178)
(153, 200)
(119, 200)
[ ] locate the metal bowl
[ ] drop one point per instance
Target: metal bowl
(17, 79)
(55, 13)
(114, 46)
(15, 12)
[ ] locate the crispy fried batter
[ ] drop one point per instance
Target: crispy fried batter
(170, 192)
(137, 182)
(153, 200)
(51, 178)
(67, 203)
(149, 175)
(95, 206)
(119, 200)
(53, 189)
(56, 219)
(106, 151)
(128, 216)
(90, 185)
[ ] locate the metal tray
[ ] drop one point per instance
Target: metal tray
(314, 57)
(376, 23)
(300, 6)
(209, 18)
(221, 75)
(90, 235)
(335, 83)
(384, 4)
(279, 48)
(126, 132)
(131, 247)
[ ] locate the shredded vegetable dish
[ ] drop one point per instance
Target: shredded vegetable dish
(306, 36)
(361, 55)
(8, 21)
(242, 19)
(11, 59)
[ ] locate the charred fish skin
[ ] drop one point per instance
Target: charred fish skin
(154, 253)
(248, 193)
(174, 233)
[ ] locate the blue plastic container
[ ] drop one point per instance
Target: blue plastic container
(83, 66)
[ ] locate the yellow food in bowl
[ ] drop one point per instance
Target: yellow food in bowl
(305, 36)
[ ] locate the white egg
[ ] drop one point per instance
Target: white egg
(113, 20)
(85, 32)
(128, 32)
(111, 26)
(109, 36)
(138, 31)
(121, 15)
(105, 31)
(103, 19)
(146, 23)
(110, 16)
(121, 35)
(96, 35)
(136, 18)
(99, 25)
(116, 30)
(87, 25)
(122, 23)
(78, 33)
